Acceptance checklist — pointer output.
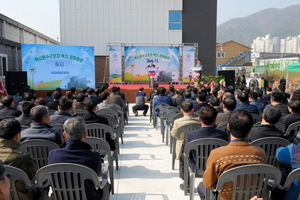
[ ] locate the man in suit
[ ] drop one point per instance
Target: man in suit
(63, 112)
(91, 117)
(244, 104)
(266, 99)
(24, 118)
(253, 96)
(215, 103)
(276, 100)
(270, 117)
(57, 96)
(8, 111)
(75, 150)
(179, 98)
(115, 98)
(239, 125)
(187, 110)
(294, 108)
(229, 105)
(207, 118)
(17, 98)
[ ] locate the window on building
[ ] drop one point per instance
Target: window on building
(220, 54)
(175, 20)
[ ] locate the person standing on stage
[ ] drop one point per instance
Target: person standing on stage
(198, 73)
(151, 73)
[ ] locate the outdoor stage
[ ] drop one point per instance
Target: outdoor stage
(130, 89)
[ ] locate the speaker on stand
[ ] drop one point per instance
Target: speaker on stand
(229, 76)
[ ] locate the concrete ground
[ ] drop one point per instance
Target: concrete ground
(145, 170)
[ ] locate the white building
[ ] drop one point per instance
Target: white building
(273, 45)
(140, 22)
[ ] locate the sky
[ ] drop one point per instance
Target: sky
(43, 15)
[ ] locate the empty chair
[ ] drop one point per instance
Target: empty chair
(115, 126)
(248, 181)
(39, 150)
(67, 181)
(15, 174)
(181, 134)
(167, 123)
(162, 115)
(99, 131)
(202, 148)
(102, 147)
(270, 144)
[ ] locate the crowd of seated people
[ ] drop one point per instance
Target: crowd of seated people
(230, 106)
(33, 114)
(215, 107)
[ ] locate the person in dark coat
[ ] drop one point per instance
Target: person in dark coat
(24, 118)
(91, 117)
(8, 111)
(294, 108)
(75, 150)
(267, 128)
(57, 96)
(64, 108)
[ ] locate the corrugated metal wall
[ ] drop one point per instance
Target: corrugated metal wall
(98, 22)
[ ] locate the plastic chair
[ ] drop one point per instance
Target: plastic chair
(162, 115)
(16, 174)
(104, 111)
(60, 130)
(102, 147)
(292, 130)
(280, 126)
(115, 126)
(183, 130)
(293, 175)
(81, 112)
(270, 144)
(167, 123)
(39, 150)
(248, 181)
(51, 111)
(256, 118)
(202, 148)
(67, 180)
(154, 117)
(99, 131)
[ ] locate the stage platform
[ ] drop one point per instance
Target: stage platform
(130, 89)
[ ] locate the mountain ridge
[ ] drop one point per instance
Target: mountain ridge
(277, 22)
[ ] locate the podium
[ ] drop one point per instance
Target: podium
(151, 73)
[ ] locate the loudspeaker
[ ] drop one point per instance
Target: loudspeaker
(229, 76)
(16, 80)
(103, 84)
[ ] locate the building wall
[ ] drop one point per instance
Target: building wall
(199, 18)
(232, 50)
(12, 34)
(97, 23)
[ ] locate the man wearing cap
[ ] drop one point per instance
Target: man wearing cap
(140, 98)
